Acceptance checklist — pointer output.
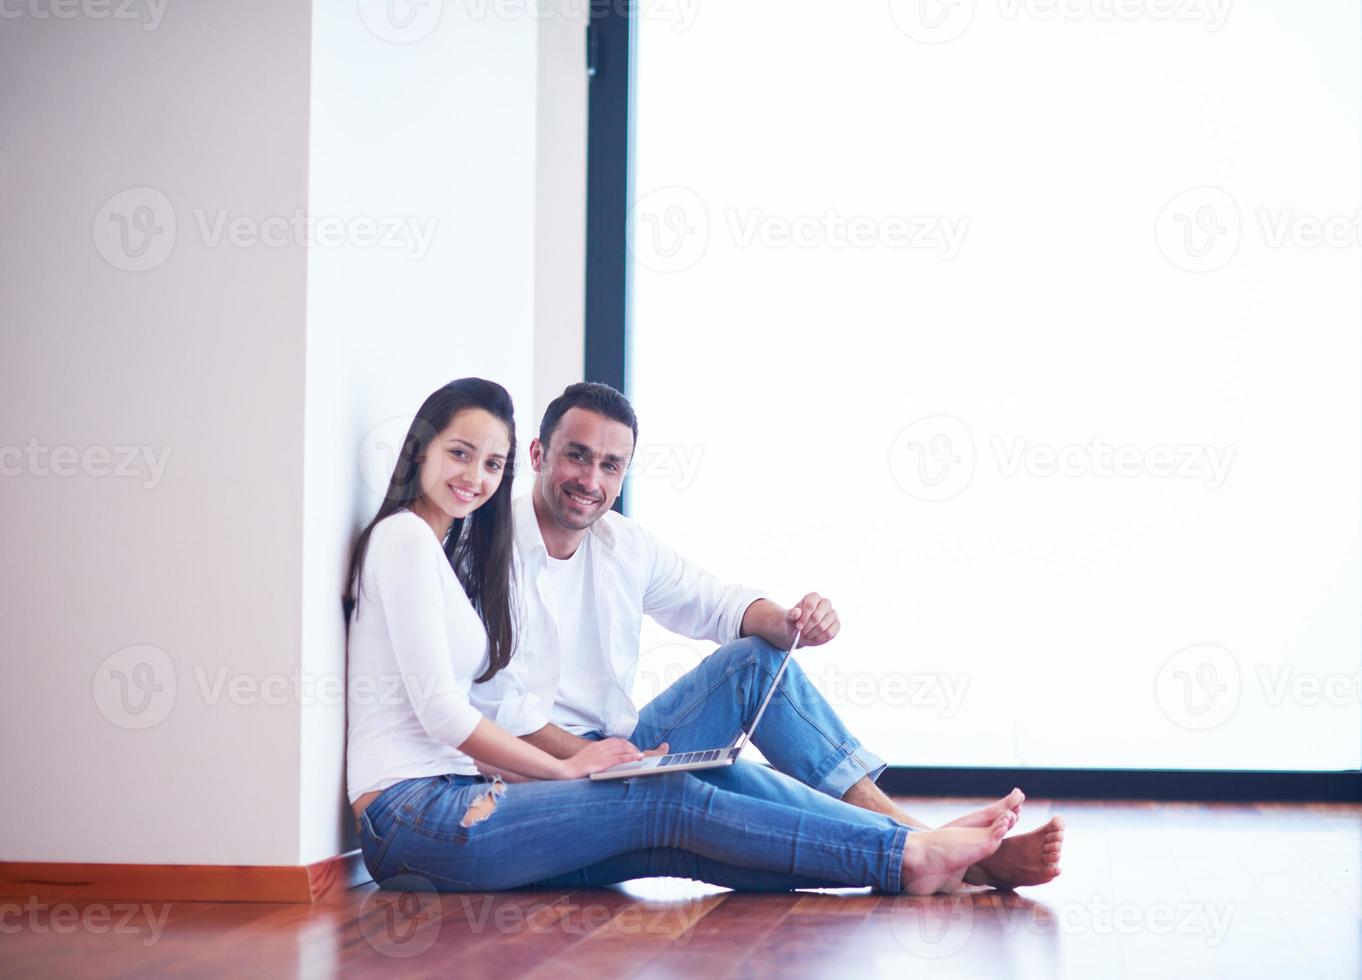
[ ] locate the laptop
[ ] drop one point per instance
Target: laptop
(705, 758)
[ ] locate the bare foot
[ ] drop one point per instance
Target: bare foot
(985, 817)
(936, 860)
(1031, 858)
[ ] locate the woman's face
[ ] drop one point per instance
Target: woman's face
(464, 464)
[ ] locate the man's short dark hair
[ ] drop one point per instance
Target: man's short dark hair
(594, 397)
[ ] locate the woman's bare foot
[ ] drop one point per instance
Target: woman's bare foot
(936, 860)
(985, 817)
(1031, 858)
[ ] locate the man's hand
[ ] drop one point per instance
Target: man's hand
(556, 742)
(660, 750)
(815, 616)
(777, 626)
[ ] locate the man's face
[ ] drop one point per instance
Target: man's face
(581, 470)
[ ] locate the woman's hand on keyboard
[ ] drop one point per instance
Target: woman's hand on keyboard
(600, 755)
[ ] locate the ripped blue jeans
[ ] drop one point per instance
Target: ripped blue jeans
(743, 826)
(473, 833)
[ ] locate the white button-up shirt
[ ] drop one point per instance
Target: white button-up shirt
(632, 574)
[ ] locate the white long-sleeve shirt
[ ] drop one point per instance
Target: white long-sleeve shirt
(632, 574)
(415, 645)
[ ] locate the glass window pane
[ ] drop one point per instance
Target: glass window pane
(1031, 339)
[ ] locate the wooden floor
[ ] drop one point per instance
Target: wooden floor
(1147, 890)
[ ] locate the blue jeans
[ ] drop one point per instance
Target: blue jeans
(800, 734)
(748, 779)
(742, 827)
(577, 833)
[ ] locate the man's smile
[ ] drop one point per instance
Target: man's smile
(581, 500)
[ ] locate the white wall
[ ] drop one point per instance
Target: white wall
(200, 357)
(267, 373)
(560, 205)
(440, 129)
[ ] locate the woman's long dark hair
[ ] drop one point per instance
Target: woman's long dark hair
(481, 552)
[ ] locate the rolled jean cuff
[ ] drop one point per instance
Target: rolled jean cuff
(845, 768)
(893, 883)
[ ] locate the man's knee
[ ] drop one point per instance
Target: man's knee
(755, 662)
(750, 649)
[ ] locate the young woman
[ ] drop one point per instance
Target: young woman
(441, 792)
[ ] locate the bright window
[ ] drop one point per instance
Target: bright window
(1029, 334)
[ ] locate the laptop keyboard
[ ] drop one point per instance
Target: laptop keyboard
(681, 758)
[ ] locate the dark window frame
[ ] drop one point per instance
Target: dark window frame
(609, 182)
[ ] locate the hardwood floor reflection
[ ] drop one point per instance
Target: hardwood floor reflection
(1148, 889)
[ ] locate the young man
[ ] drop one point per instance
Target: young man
(587, 576)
